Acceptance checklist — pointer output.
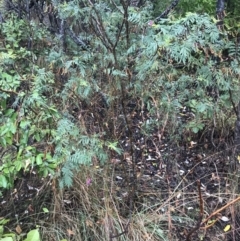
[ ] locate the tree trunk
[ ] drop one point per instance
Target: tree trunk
(220, 6)
(220, 13)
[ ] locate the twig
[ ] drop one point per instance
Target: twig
(198, 224)
(233, 104)
(9, 91)
(169, 213)
(77, 40)
(220, 210)
(233, 223)
(168, 9)
(119, 9)
(120, 234)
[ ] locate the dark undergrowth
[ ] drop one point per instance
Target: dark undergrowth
(173, 196)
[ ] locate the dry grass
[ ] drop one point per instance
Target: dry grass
(95, 209)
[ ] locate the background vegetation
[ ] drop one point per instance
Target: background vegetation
(90, 91)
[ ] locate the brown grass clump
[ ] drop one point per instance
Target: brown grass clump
(95, 209)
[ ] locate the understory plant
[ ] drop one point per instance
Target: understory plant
(86, 85)
(71, 85)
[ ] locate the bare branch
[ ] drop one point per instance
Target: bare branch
(76, 39)
(168, 10)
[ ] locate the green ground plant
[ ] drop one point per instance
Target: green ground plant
(32, 235)
(168, 66)
(74, 75)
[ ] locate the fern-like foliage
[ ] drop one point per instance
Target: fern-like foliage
(74, 149)
(69, 82)
(188, 60)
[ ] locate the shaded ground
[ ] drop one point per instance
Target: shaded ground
(172, 179)
(176, 178)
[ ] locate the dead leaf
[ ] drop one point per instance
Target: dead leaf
(30, 208)
(199, 157)
(139, 174)
(89, 223)
(18, 229)
(192, 144)
(115, 161)
(100, 221)
(70, 232)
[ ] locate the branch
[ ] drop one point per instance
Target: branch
(198, 224)
(1, 18)
(220, 12)
(233, 105)
(97, 31)
(220, 210)
(76, 39)
(120, 234)
(118, 34)
(220, 6)
(100, 28)
(119, 9)
(9, 91)
(167, 11)
(11, 6)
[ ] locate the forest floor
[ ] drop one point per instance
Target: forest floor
(160, 188)
(191, 185)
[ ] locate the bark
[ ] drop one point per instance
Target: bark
(220, 6)
(220, 13)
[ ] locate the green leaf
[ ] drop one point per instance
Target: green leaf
(37, 136)
(18, 165)
(195, 129)
(3, 142)
(113, 146)
(45, 210)
(9, 112)
(33, 235)
(45, 172)
(7, 239)
(24, 124)
(1, 230)
(4, 221)
(39, 159)
(3, 181)
(201, 107)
